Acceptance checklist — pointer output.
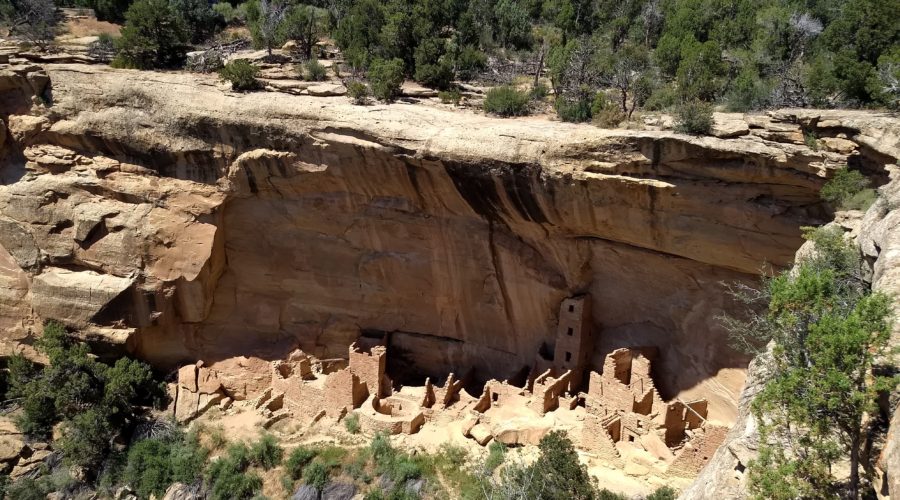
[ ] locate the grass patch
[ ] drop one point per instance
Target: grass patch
(352, 423)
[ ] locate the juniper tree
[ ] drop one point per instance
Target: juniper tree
(827, 330)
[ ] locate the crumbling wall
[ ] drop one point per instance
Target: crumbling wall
(698, 451)
(449, 393)
(343, 391)
(547, 391)
(370, 367)
(596, 438)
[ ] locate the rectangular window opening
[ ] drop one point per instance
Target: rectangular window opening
(569, 332)
(568, 356)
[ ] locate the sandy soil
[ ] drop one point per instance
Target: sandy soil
(81, 27)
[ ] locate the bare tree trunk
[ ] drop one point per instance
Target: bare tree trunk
(854, 465)
(540, 65)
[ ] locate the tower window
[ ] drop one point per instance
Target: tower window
(569, 332)
(571, 308)
(568, 356)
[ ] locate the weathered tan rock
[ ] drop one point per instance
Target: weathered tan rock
(326, 90)
(520, 431)
(889, 461)
(10, 448)
(249, 224)
(481, 434)
(728, 125)
(181, 491)
(29, 464)
(23, 128)
(838, 145)
(74, 297)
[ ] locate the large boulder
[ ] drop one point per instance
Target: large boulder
(339, 491)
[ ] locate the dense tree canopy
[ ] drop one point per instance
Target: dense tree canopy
(749, 53)
(93, 400)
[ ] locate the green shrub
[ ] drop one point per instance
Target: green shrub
(437, 76)
(747, 92)
(564, 476)
(381, 449)
(154, 464)
(811, 140)
(506, 101)
(228, 12)
(848, 190)
(297, 460)
(26, 488)
(452, 96)
(227, 478)
(266, 452)
(496, 455)
(575, 111)
(200, 19)
(386, 78)
(661, 99)
(609, 117)
(469, 63)
(94, 401)
(359, 92)
(316, 475)
(154, 36)
(314, 71)
(540, 91)
(241, 74)
(694, 117)
(663, 493)
(352, 423)
(217, 437)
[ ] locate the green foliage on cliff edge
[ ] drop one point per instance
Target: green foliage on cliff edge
(750, 53)
(827, 332)
(848, 190)
(94, 401)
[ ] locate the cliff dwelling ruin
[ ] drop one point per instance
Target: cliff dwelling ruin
(616, 415)
(428, 271)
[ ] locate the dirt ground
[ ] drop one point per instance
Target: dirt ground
(86, 26)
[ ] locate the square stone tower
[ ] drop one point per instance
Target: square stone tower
(574, 337)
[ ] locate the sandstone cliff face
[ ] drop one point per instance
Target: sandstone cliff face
(156, 211)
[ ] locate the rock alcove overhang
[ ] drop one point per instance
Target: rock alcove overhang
(253, 224)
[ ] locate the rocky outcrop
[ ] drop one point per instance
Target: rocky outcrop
(155, 211)
(18, 456)
(877, 232)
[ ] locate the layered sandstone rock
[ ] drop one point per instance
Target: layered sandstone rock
(156, 210)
